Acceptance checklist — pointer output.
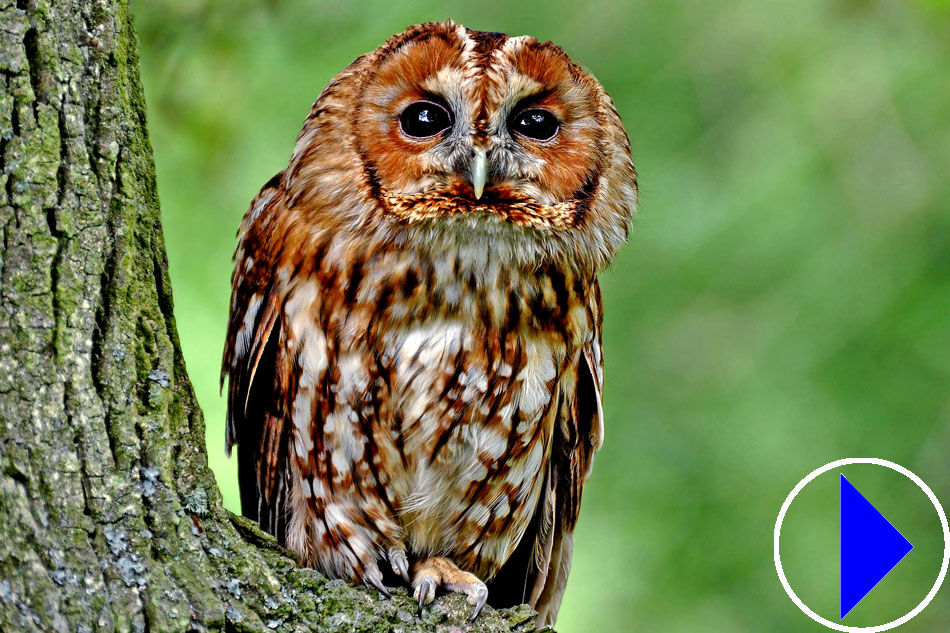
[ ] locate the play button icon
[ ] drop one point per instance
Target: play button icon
(870, 547)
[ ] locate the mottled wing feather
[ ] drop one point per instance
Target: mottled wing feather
(254, 420)
(571, 464)
(537, 572)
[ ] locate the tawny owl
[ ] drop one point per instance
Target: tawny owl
(413, 351)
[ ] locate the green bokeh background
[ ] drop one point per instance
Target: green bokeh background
(784, 300)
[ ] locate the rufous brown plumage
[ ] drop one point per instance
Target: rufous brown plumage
(413, 353)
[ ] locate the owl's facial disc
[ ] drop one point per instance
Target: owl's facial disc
(464, 122)
(443, 133)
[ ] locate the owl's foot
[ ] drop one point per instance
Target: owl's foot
(431, 573)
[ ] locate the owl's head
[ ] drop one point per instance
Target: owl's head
(453, 134)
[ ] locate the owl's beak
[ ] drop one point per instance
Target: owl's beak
(479, 172)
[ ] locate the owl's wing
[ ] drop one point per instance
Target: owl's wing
(577, 438)
(254, 419)
(537, 571)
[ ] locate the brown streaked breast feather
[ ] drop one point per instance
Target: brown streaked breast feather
(537, 572)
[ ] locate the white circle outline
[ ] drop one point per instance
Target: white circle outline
(946, 545)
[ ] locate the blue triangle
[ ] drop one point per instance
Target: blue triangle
(870, 547)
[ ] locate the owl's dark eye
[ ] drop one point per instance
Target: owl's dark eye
(541, 125)
(422, 119)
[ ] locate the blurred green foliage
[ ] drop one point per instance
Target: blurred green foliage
(784, 300)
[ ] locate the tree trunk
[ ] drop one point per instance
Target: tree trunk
(110, 519)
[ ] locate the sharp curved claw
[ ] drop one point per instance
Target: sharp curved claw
(399, 562)
(481, 597)
(403, 569)
(377, 584)
(424, 592)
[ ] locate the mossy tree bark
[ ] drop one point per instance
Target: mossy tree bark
(110, 519)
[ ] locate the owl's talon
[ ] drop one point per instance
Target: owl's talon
(478, 598)
(424, 590)
(433, 572)
(375, 579)
(399, 562)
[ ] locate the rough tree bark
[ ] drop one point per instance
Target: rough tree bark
(110, 519)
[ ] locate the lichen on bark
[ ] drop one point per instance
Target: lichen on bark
(110, 519)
